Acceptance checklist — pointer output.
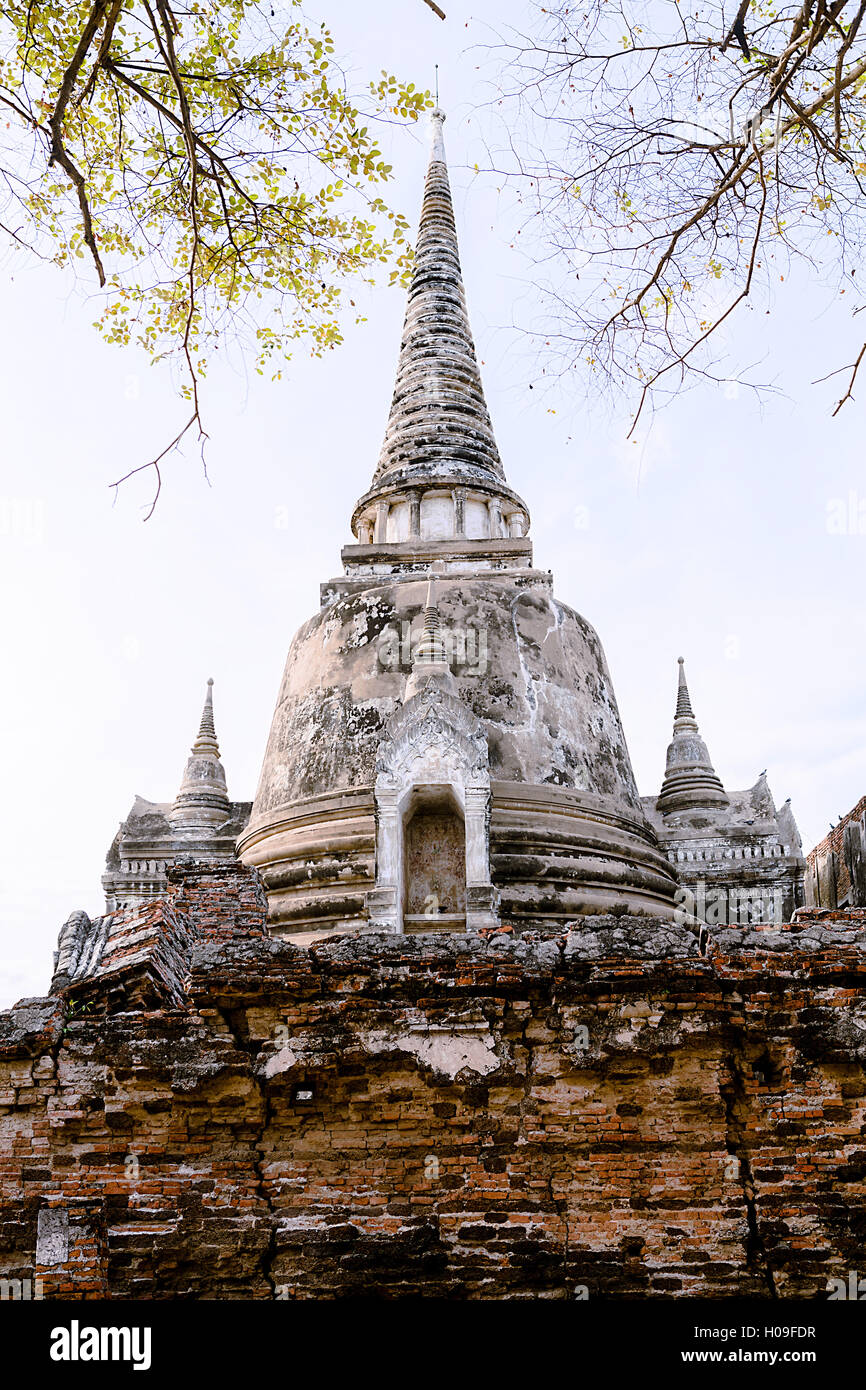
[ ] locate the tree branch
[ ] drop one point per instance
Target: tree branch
(59, 153)
(854, 370)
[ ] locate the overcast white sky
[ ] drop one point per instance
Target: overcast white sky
(718, 551)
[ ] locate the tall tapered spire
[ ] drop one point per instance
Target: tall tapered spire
(203, 800)
(439, 417)
(439, 480)
(690, 779)
(206, 741)
(684, 704)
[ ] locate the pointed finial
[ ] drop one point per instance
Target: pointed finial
(437, 84)
(431, 647)
(437, 121)
(206, 741)
(431, 656)
(430, 605)
(684, 704)
(431, 653)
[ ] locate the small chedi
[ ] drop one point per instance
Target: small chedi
(738, 860)
(201, 822)
(449, 1009)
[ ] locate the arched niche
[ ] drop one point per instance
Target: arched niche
(434, 860)
(433, 764)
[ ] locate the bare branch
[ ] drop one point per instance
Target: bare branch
(854, 370)
(655, 168)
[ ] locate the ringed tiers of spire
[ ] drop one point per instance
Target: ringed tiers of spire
(690, 778)
(203, 800)
(439, 433)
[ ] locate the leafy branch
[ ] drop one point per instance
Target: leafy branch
(210, 160)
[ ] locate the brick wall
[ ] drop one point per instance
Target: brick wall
(610, 1111)
(832, 845)
(220, 900)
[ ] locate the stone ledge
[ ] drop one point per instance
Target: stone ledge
(176, 965)
(425, 551)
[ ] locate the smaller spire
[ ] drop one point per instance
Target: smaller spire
(430, 657)
(203, 800)
(206, 742)
(690, 779)
(431, 648)
(684, 704)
